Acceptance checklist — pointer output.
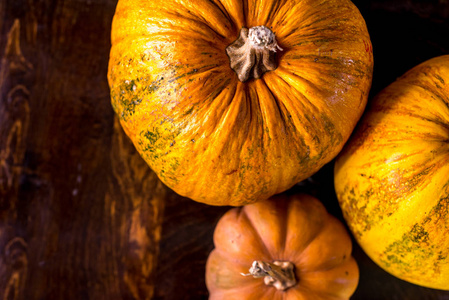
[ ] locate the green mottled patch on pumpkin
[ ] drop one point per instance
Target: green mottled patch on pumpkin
(174, 164)
(356, 209)
(409, 254)
(152, 136)
(415, 251)
(157, 143)
(157, 140)
(418, 234)
(129, 107)
(126, 97)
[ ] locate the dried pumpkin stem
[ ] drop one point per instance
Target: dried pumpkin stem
(279, 274)
(252, 54)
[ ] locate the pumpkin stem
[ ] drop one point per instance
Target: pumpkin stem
(279, 274)
(252, 54)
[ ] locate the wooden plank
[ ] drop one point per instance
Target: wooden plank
(80, 211)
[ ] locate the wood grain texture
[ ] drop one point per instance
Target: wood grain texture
(80, 212)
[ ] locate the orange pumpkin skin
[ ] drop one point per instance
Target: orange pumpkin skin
(392, 178)
(220, 141)
(295, 228)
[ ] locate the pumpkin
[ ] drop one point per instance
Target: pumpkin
(230, 102)
(392, 178)
(287, 247)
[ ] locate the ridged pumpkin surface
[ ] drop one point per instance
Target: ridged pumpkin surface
(209, 136)
(293, 228)
(392, 179)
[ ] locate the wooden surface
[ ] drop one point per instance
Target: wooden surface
(80, 211)
(81, 215)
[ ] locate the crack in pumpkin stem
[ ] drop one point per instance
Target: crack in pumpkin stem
(253, 53)
(279, 274)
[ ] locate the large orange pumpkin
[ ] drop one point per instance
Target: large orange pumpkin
(392, 179)
(234, 101)
(291, 245)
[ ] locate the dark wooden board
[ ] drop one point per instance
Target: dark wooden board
(80, 212)
(81, 215)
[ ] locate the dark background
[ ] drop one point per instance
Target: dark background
(81, 214)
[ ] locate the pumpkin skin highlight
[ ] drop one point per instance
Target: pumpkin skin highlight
(220, 141)
(392, 178)
(295, 228)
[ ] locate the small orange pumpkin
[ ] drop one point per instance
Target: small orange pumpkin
(300, 250)
(392, 178)
(234, 101)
